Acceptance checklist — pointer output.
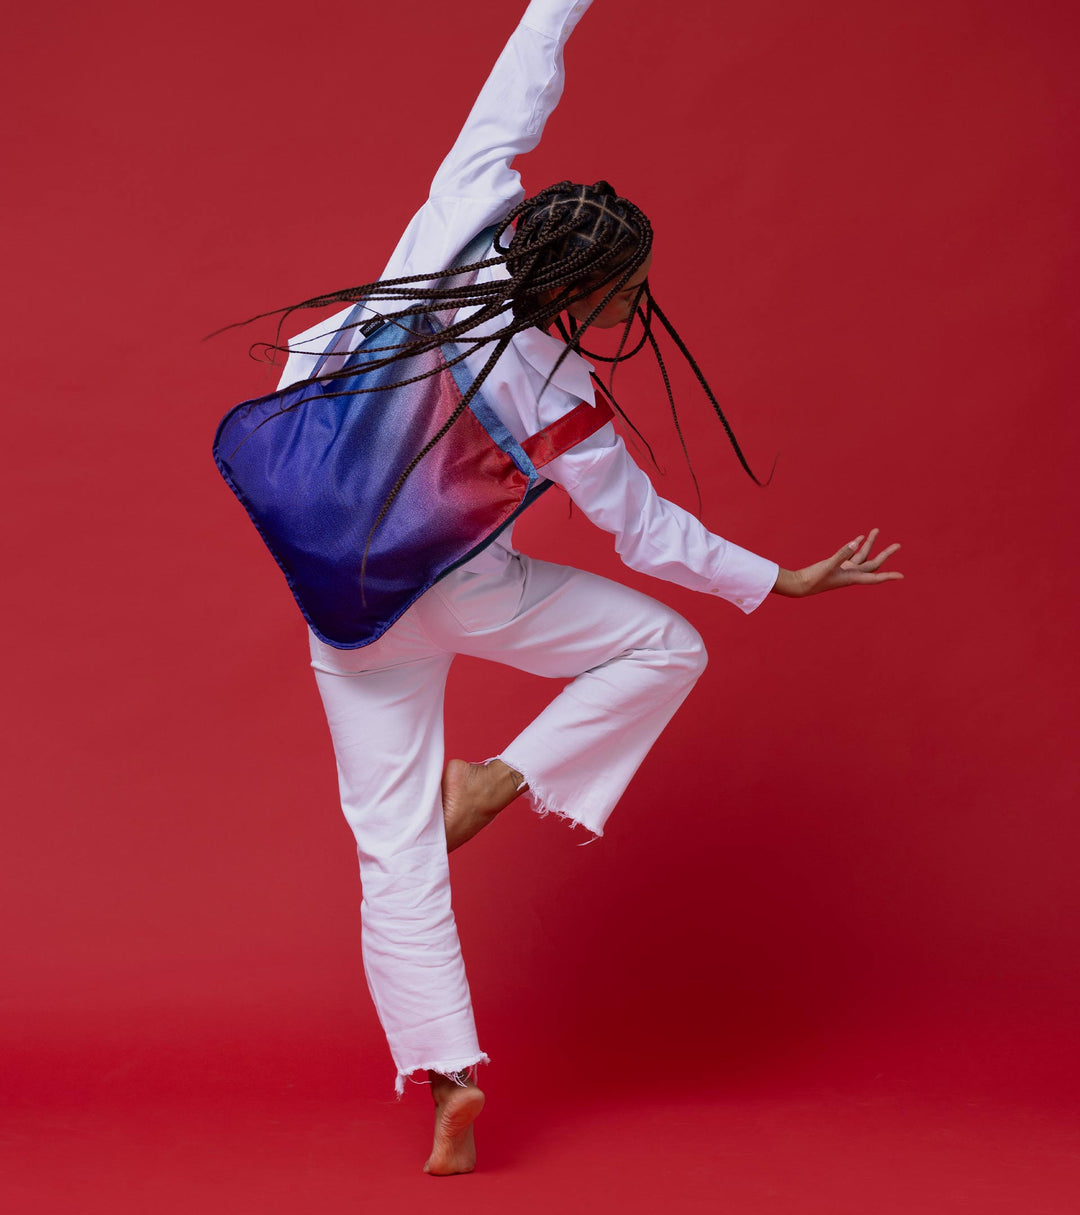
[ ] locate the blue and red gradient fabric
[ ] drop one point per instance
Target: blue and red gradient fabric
(312, 465)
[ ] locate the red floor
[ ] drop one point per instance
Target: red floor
(955, 1121)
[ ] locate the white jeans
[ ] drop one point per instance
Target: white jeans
(632, 661)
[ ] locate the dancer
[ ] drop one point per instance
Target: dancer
(576, 257)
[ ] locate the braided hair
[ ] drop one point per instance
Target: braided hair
(567, 243)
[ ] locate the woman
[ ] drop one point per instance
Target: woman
(582, 253)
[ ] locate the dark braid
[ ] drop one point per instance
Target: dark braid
(458, 410)
(646, 324)
(708, 392)
(567, 243)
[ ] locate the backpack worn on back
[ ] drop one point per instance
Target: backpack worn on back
(312, 465)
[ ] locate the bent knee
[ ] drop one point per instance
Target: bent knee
(697, 656)
(685, 648)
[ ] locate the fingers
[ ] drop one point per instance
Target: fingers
(859, 568)
(858, 560)
(847, 553)
(864, 552)
(860, 579)
(851, 566)
(883, 556)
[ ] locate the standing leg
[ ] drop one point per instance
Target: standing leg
(384, 708)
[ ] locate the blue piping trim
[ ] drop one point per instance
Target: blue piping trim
(488, 418)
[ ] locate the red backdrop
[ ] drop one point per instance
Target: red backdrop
(853, 853)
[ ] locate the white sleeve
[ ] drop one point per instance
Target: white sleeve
(476, 184)
(652, 535)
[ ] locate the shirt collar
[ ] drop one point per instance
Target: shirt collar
(541, 351)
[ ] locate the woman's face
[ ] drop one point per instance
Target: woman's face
(619, 307)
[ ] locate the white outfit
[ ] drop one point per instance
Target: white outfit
(634, 659)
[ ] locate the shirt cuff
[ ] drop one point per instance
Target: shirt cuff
(745, 578)
(554, 19)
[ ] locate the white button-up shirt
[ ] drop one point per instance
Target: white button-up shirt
(475, 187)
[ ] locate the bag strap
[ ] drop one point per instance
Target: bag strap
(554, 439)
(567, 431)
(341, 343)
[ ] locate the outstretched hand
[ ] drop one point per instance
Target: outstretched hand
(851, 566)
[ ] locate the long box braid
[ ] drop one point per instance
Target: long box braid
(567, 242)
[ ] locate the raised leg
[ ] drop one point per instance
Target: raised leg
(632, 662)
(473, 794)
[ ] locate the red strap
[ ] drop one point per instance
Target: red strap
(567, 431)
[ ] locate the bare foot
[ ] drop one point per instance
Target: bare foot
(456, 1108)
(473, 794)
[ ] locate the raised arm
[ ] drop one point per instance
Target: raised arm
(476, 184)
